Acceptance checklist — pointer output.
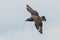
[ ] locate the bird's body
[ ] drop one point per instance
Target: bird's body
(38, 23)
(36, 18)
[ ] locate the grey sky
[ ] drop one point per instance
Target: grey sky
(13, 14)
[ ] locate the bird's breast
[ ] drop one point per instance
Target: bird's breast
(37, 20)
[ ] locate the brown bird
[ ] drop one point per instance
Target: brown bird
(36, 18)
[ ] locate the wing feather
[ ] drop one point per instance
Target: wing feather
(33, 12)
(38, 24)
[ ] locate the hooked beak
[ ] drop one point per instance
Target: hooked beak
(45, 19)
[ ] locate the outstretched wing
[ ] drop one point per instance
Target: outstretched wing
(38, 24)
(33, 12)
(39, 28)
(30, 19)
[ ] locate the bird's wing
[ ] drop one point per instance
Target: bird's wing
(39, 28)
(30, 19)
(31, 10)
(38, 24)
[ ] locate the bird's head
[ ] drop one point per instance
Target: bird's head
(43, 18)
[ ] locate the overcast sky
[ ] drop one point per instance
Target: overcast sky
(13, 14)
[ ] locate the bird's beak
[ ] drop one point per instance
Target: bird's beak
(45, 19)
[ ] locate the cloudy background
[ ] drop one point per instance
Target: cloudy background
(13, 14)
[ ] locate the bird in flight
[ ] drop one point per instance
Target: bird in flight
(36, 18)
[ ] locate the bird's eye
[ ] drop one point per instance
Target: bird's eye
(43, 17)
